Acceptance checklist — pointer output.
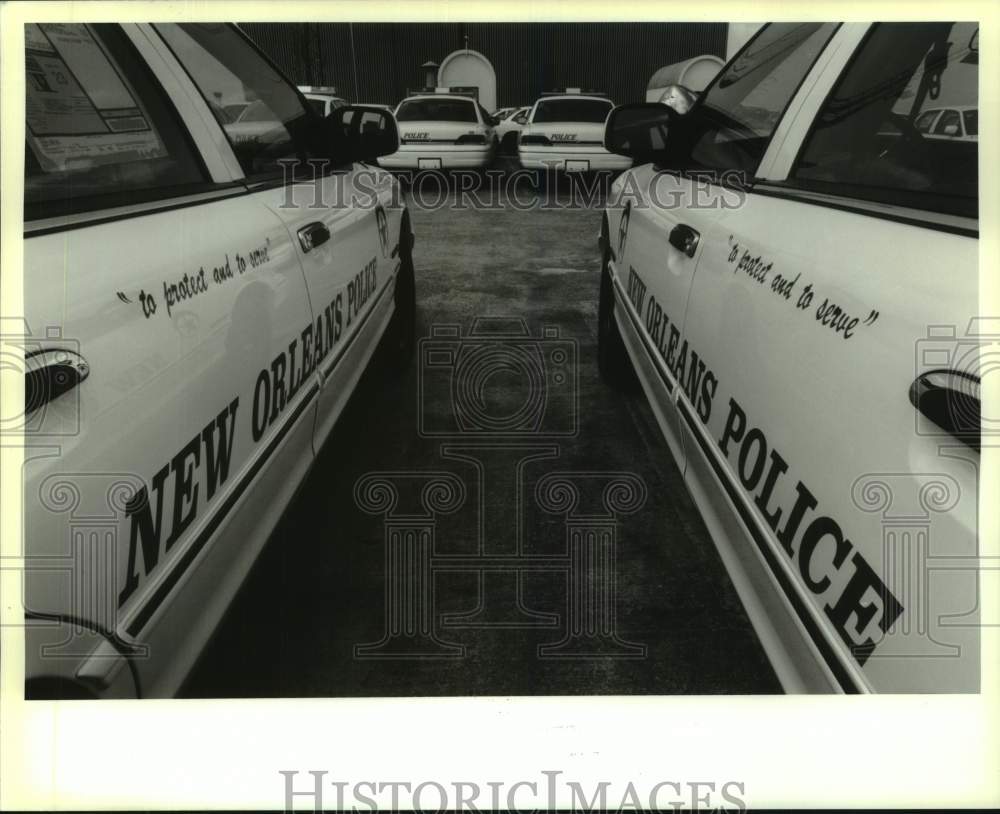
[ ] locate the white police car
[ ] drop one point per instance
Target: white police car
(442, 131)
(565, 133)
(509, 126)
(960, 122)
(198, 308)
(792, 273)
(324, 100)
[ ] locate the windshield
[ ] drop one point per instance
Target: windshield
(437, 110)
(573, 110)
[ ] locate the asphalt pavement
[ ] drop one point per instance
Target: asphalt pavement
(495, 520)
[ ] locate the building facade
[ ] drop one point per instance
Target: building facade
(378, 62)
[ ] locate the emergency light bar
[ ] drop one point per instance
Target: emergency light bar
(331, 89)
(471, 92)
(574, 92)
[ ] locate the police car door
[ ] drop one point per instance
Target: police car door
(156, 293)
(837, 307)
(343, 227)
(654, 249)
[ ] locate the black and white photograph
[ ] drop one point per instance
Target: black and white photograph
(395, 358)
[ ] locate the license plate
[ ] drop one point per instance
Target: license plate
(577, 166)
(429, 163)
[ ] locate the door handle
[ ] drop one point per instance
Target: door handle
(684, 238)
(950, 398)
(313, 235)
(50, 373)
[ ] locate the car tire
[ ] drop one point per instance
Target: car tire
(613, 361)
(401, 333)
(508, 144)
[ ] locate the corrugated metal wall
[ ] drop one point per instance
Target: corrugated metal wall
(377, 62)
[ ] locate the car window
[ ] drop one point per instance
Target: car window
(99, 130)
(437, 110)
(865, 142)
(318, 105)
(572, 110)
(971, 119)
(275, 126)
(257, 111)
(925, 120)
(948, 124)
(521, 117)
(741, 109)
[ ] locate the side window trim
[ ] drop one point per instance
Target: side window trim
(795, 124)
(940, 221)
(227, 147)
(95, 217)
(208, 136)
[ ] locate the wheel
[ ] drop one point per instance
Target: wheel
(613, 360)
(400, 337)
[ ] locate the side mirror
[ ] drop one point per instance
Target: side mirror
(951, 130)
(369, 132)
(639, 131)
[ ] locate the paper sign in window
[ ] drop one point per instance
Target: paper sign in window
(80, 111)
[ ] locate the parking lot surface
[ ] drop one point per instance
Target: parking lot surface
(316, 614)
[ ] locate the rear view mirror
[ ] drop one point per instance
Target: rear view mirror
(370, 132)
(639, 131)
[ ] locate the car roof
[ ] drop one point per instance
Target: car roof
(548, 97)
(439, 96)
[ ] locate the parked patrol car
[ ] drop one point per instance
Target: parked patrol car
(960, 122)
(792, 274)
(324, 100)
(199, 308)
(508, 128)
(442, 131)
(565, 133)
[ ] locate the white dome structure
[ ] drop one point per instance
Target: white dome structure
(694, 74)
(466, 69)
